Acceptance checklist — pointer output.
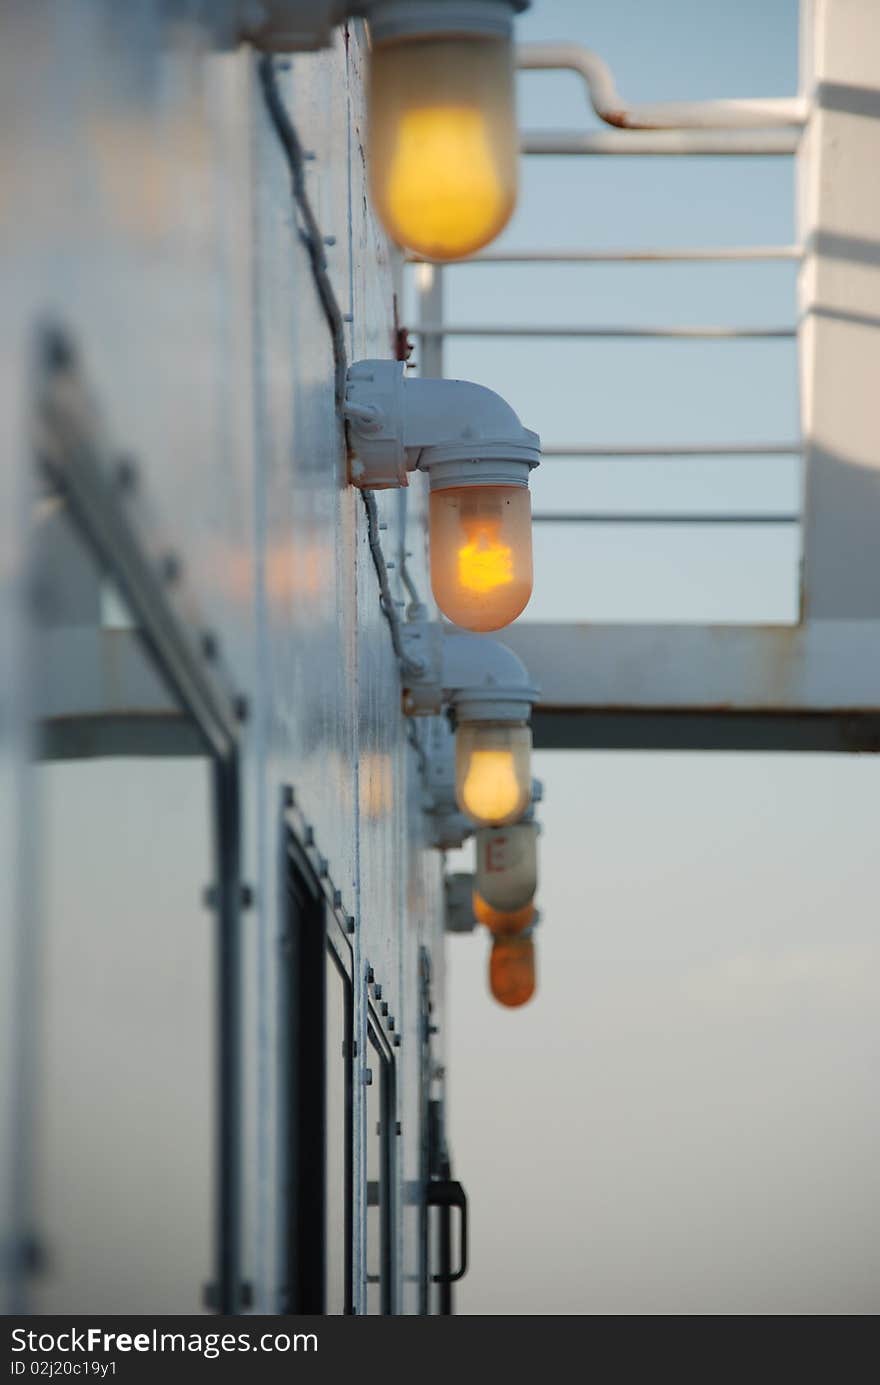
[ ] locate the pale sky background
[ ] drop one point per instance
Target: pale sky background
(685, 1118)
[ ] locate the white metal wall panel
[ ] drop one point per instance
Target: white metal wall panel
(840, 299)
(169, 249)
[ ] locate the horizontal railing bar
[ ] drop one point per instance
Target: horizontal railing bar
(698, 255)
(443, 329)
(690, 449)
(716, 143)
(658, 517)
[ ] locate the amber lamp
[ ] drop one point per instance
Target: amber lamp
(500, 921)
(481, 554)
(512, 969)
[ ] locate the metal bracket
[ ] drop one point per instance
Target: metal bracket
(459, 903)
(423, 648)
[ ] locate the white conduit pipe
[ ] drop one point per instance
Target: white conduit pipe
(755, 113)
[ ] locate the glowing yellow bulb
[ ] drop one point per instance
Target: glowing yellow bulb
(481, 554)
(442, 142)
(442, 193)
(493, 770)
(490, 789)
(484, 563)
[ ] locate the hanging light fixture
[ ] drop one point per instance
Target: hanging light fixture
(478, 457)
(491, 703)
(442, 143)
(489, 696)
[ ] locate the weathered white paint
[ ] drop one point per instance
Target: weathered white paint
(840, 303)
(154, 220)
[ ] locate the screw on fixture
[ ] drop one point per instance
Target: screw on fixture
(171, 568)
(209, 645)
(309, 836)
(396, 1040)
(337, 899)
(59, 352)
(377, 991)
(349, 922)
(288, 796)
(371, 976)
(126, 473)
(368, 1077)
(323, 867)
(384, 1007)
(246, 896)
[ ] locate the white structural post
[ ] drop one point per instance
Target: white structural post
(840, 301)
(429, 286)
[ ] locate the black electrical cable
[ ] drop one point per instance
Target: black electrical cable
(312, 239)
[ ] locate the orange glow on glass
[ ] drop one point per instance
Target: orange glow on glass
(512, 970)
(443, 195)
(481, 553)
(484, 563)
(501, 921)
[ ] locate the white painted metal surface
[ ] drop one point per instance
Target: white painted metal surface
(161, 233)
(840, 305)
(19, 98)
